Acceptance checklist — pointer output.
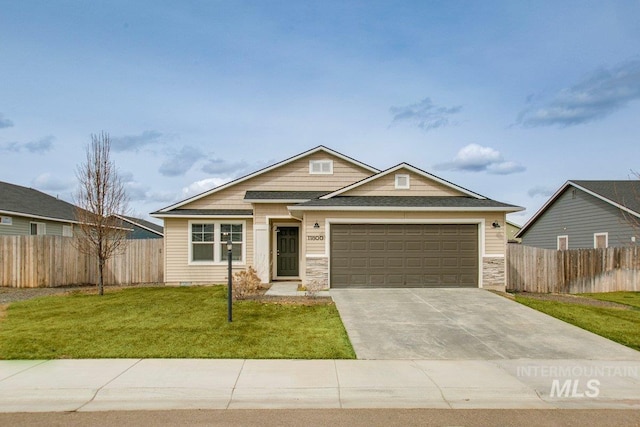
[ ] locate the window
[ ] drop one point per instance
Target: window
(563, 243)
(321, 167)
(38, 228)
(67, 231)
(208, 241)
(600, 240)
(402, 182)
(6, 220)
(235, 230)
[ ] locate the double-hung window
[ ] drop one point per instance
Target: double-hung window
(208, 241)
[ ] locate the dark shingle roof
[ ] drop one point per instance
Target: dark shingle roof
(284, 195)
(625, 193)
(30, 202)
(143, 223)
(206, 212)
(408, 202)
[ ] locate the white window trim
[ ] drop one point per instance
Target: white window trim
(41, 226)
(401, 176)
(6, 220)
(67, 230)
(606, 239)
(320, 162)
(217, 250)
(564, 236)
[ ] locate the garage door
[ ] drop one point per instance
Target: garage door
(406, 255)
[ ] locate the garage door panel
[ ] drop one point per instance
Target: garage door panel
(397, 255)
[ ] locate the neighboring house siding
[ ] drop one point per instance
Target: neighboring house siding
(290, 177)
(21, 226)
(578, 215)
(419, 185)
(141, 233)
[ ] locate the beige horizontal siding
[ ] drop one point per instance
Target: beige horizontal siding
(419, 186)
(290, 177)
(262, 210)
(177, 268)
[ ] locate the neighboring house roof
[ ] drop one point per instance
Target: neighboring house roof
(284, 196)
(268, 168)
(624, 195)
(397, 168)
(406, 202)
(147, 225)
(23, 201)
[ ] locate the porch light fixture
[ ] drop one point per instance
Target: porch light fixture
(316, 225)
(495, 224)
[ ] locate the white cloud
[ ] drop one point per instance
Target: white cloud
(540, 190)
(50, 182)
(202, 186)
(476, 158)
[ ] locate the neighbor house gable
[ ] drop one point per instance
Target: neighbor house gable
(403, 180)
(302, 173)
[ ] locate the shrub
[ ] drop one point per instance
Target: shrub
(245, 283)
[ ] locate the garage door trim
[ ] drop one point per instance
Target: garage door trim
(480, 222)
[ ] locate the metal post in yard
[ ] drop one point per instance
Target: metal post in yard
(229, 280)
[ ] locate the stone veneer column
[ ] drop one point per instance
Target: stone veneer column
(493, 273)
(317, 270)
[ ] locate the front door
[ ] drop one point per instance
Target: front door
(287, 256)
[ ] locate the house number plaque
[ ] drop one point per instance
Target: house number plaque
(320, 237)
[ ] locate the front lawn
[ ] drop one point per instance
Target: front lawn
(627, 298)
(617, 324)
(169, 323)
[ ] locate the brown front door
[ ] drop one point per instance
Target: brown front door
(287, 256)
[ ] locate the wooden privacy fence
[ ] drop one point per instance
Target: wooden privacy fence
(50, 261)
(573, 271)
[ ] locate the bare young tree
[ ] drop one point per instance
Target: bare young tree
(101, 194)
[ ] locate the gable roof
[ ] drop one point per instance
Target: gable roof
(147, 225)
(421, 203)
(624, 195)
(396, 168)
(282, 196)
(320, 148)
(23, 201)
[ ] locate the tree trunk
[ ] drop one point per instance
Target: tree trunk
(100, 277)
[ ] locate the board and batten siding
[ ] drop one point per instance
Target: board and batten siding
(293, 176)
(419, 185)
(177, 267)
(579, 215)
(494, 238)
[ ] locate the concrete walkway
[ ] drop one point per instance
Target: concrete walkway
(126, 384)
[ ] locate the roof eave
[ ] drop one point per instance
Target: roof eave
(45, 218)
(410, 208)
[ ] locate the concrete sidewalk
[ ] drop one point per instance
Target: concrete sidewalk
(127, 384)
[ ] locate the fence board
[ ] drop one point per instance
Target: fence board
(573, 271)
(50, 261)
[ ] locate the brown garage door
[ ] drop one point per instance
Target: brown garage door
(407, 255)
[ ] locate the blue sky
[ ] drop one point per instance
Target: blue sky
(509, 99)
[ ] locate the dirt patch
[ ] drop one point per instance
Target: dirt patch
(573, 299)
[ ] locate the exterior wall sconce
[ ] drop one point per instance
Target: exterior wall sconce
(495, 224)
(316, 225)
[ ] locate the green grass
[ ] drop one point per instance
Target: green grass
(627, 298)
(169, 323)
(619, 325)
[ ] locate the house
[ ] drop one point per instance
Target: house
(586, 214)
(512, 230)
(326, 217)
(140, 228)
(25, 211)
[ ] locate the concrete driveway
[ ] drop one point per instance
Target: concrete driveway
(467, 324)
